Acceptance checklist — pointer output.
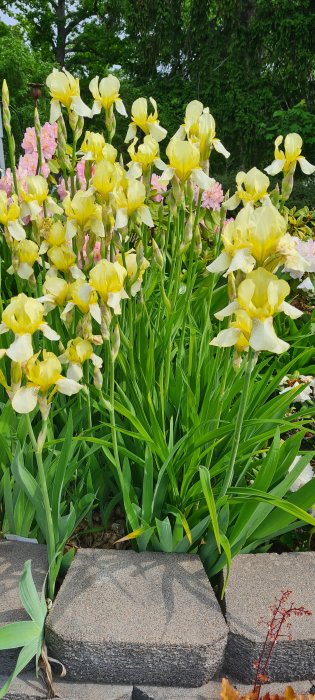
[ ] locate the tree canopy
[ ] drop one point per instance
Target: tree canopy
(251, 62)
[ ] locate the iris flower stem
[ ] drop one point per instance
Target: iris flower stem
(208, 324)
(190, 275)
(190, 284)
(39, 150)
(112, 417)
(238, 424)
(74, 145)
(220, 403)
(86, 380)
(131, 340)
(1, 305)
(12, 160)
(176, 258)
(50, 536)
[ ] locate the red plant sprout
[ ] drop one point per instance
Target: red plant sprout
(282, 611)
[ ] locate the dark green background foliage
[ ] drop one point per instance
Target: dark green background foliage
(251, 61)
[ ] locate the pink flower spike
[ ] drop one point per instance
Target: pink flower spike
(48, 139)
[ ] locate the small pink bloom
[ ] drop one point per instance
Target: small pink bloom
(6, 182)
(48, 139)
(29, 141)
(307, 250)
(80, 172)
(49, 134)
(159, 186)
(212, 198)
(97, 251)
(27, 165)
(61, 189)
(45, 170)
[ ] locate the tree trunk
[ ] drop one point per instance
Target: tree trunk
(60, 50)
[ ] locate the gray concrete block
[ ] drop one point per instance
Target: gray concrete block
(207, 692)
(27, 687)
(13, 556)
(210, 691)
(124, 617)
(255, 582)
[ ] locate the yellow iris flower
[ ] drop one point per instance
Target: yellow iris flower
(65, 90)
(106, 177)
(93, 146)
(146, 153)
(256, 236)
(55, 292)
(83, 213)
(25, 254)
(107, 279)
(110, 153)
(24, 316)
(55, 234)
(129, 202)
(84, 297)
(199, 128)
(9, 215)
(184, 162)
(41, 376)
(260, 296)
(251, 187)
(106, 94)
(148, 123)
(134, 271)
(78, 351)
(286, 160)
(62, 258)
(34, 193)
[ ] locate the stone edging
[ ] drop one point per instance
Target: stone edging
(151, 619)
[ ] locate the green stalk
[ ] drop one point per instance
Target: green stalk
(12, 160)
(131, 339)
(86, 381)
(38, 450)
(72, 174)
(112, 415)
(238, 424)
(39, 149)
(190, 284)
(7, 128)
(1, 305)
(220, 403)
(175, 257)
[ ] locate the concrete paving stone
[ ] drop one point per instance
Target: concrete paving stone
(123, 617)
(255, 582)
(27, 687)
(13, 556)
(210, 691)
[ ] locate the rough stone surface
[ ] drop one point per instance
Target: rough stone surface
(28, 688)
(124, 617)
(255, 582)
(13, 556)
(210, 691)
